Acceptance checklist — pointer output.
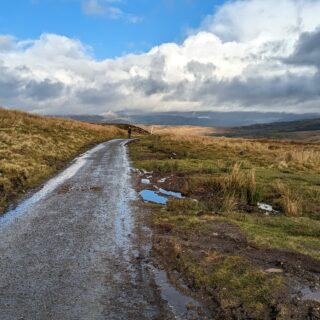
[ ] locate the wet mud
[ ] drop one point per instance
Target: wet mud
(301, 272)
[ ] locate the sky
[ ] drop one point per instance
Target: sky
(105, 56)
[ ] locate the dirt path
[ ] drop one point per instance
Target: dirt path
(67, 252)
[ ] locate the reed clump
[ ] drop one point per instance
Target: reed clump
(290, 201)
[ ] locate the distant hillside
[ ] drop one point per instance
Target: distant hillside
(306, 130)
(202, 119)
(183, 130)
(32, 148)
(135, 129)
(214, 119)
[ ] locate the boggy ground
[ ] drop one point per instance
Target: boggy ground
(242, 263)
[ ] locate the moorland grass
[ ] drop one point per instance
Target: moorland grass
(228, 177)
(272, 171)
(33, 147)
(224, 173)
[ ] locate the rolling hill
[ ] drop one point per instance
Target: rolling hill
(304, 130)
(33, 147)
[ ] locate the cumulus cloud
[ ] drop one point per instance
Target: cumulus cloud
(44, 90)
(236, 60)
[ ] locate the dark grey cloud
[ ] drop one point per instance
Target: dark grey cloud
(307, 51)
(149, 86)
(286, 90)
(44, 90)
(10, 83)
(107, 93)
(154, 83)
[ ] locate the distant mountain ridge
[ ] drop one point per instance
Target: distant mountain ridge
(304, 130)
(203, 118)
(289, 126)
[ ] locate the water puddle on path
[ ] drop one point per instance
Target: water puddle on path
(153, 196)
(171, 193)
(183, 306)
(160, 196)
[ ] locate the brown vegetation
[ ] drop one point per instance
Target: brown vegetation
(182, 130)
(34, 147)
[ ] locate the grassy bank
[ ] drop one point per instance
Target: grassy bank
(32, 148)
(221, 242)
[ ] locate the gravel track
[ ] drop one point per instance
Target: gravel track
(68, 251)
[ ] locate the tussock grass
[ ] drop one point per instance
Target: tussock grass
(226, 174)
(291, 201)
(241, 184)
(229, 203)
(246, 170)
(34, 147)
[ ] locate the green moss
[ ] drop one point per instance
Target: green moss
(238, 281)
(234, 282)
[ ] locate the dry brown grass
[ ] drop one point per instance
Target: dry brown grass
(276, 153)
(34, 147)
(291, 201)
(182, 130)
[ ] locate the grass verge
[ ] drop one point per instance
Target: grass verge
(33, 147)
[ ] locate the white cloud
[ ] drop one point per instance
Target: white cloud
(108, 9)
(93, 7)
(6, 42)
(249, 55)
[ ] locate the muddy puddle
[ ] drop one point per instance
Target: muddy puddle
(308, 294)
(183, 306)
(160, 196)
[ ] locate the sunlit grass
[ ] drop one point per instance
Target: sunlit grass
(33, 148)
(204, 160)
